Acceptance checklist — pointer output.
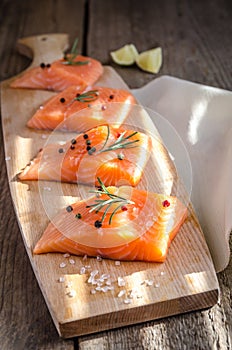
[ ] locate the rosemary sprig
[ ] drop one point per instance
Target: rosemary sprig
(107, 203)
(69, 58)
(88, 96)
(121, 142)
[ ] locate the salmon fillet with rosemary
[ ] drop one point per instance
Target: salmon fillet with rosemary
(114, 155)
(121, 223)
(58, 75)
(76, 110)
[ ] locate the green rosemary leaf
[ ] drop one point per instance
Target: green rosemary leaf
(74, 47)
(74, 63)
(88, 96)
(107, 137)
(102, 185)
(69, 58)
(106, 204)
(119, 143)
(114, 212)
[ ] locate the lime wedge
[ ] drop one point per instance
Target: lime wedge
(150, 60)
(125, 56)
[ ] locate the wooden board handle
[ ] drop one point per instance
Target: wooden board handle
(43, 48)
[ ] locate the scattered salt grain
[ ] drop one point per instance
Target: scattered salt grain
(105, 289)
(88, 267)
(98, 288)
(71, 293)
(72, 262)
(121, 293)
(7, 158)
(85, 257)
(62, 265)
(41, 107)
(121, 282)
(66, 255)
(94, 273)
(93, 291)
(127, 301)
(99, 258)
(82, 270)
(149, 282)
(43, 136)
(162, 273)
(46, 188)
(157, 285)
(108, 282)
(117, 263)
(61, 279)
(110, 287)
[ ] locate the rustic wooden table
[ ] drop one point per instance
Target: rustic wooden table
(196, 41)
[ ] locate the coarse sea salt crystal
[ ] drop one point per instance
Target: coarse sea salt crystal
(117, 263)
(62, 265)
(61, 279)
(88, 267)
(72, 262)
(157, 285)
(72, 293)
(94, 273)
(93, 291)
(99, 258)
(149, 282)
(66, 255)
(127, 301)
(82, 270)
(121, 293)
(105, 289)
(121, 282)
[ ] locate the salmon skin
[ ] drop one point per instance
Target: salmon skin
(117, 156)
(58, 75)
(76, 110)
(140, 229)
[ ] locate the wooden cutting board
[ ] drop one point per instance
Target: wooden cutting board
(185, 282)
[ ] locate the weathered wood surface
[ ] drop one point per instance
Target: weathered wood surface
(196, 39)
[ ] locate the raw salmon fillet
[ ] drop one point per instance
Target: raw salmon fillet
(57, 76)
(114, 155)
(141, 230)
(76, 110)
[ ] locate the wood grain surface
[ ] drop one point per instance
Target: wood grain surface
(196, 39)
(189, 280)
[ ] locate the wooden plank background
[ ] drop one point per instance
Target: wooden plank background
(196, 40)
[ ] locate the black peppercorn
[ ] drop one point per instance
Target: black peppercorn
(69, 209)
(98, 224)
